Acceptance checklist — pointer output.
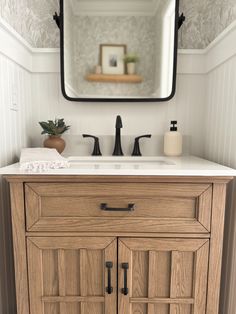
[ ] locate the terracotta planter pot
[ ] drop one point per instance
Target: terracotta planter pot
(55, 142)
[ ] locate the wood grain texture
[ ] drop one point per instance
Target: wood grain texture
(62, 279)
(49, 267)
(158, 207)
(109, 78)
(124, 256)
(117, 189)
(182, 264)
(159, 274)
(83, 273)
(158, 282)
(87, 206)
(204, 208)
(180, 309)
(32, 201)
(163, 300)
(201, 279)
(117, 179)
(51, 308)
(95, 272)
(161, 308)
(111, 256)
(19, 246)
(50, 261)
(72, 308)
(166, 275)
(138, 308)
(141, 244)
(36, 288)
(216, 246)
(139, 270)
(72, 272)
(182, 270)
(73, 299)
(93, 243)
(120, 234)
(98, 224)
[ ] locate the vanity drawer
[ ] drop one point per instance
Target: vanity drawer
(158, 207)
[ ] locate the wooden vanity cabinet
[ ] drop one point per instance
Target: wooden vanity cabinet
(154, 247)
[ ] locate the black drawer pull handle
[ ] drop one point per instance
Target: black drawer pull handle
(130, 208)
(125, 290)
(109, 288)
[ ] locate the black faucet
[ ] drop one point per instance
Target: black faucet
(117, 149)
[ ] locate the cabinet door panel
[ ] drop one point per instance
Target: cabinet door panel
(182, 309)
(51, 308)
(139, 309)
(69, 275)
(165, 276)
(158, 308)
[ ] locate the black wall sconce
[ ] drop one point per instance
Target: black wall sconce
(182, 18)
(57, 19)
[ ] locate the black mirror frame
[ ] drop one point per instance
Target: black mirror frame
(118, 99)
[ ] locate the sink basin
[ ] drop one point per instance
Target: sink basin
(119, 162)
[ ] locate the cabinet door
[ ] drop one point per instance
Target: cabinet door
(70, 275)
(164, 276)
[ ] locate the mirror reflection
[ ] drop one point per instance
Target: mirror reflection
(119, 49)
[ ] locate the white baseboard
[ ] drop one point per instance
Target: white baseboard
(44, 60)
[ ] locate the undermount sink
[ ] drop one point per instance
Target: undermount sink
(119, 162)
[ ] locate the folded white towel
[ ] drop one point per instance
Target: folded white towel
(41, 159)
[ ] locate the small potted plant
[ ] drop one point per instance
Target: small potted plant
(54, 130)
(131, 60)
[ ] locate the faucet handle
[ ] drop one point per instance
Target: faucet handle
(96, 149)
(136, 150)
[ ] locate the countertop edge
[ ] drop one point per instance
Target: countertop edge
(115, 178)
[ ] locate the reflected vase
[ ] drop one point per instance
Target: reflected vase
(131, 68)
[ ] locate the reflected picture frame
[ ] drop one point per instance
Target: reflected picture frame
(117, 99)
(112, 59)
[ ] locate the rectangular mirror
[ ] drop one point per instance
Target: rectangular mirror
(119, 50)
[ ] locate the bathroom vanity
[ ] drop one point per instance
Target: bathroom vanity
(102, 240)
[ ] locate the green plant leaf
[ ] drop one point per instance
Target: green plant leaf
(55, 127)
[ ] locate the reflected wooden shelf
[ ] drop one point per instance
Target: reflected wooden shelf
(114, 78)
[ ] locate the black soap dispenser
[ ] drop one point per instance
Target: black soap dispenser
(173, 141)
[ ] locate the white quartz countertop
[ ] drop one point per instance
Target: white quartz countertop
(132, 166)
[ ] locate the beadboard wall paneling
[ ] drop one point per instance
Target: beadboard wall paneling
(15, 87)
(220, 146)
(99, 118)
(220, 141)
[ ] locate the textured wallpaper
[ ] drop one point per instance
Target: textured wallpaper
(205, 19)
(32, 19)
(114, 30)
